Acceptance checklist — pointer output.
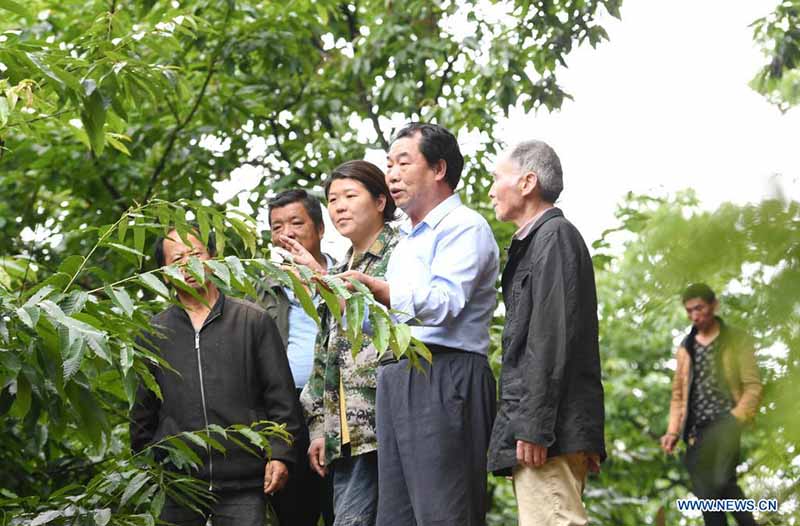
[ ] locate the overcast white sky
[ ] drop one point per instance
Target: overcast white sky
(662, 106)
(665, 105)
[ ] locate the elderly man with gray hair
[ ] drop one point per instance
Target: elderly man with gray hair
(548, 433)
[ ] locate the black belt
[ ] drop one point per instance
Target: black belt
(388, 357)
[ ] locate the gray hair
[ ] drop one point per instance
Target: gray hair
(538, 157)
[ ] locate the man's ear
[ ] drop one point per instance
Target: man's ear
(528, 183)
(440, 170)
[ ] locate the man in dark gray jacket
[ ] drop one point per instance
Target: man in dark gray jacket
(548, 433)
(295, 219)
(230, 368)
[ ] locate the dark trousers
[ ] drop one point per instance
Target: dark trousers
(711, 460)
(234, 508)
(306, 495)
(433, 432)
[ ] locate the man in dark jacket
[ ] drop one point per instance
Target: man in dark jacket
(548, 433)
(230, 368)
(295, 219)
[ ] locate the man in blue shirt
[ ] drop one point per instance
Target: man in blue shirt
(295, 218)
(433, 428)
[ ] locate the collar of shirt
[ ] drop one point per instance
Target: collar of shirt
(376, 249)
(434, 217)
(526, 229)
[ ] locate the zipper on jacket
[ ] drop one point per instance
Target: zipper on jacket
(205, 411)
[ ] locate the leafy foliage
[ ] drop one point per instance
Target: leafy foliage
(779, 35)
(751, 255)
(70, 364)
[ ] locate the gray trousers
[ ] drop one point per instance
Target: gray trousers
(433, 432)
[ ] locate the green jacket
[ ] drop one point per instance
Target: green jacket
(333, 359)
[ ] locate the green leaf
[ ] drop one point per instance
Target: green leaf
(332, 301)
(74, 302)
(219, 232)
(238, 269)
(121, 299)
(133, 487)
(255, 438)
(92, 417)
(355, 321)
(196, 269)
(246, 233)
(29, 316)
(47, 516)
(202, 222)
(72, 356)
(4, 110)
(126, 358)
(174, 273)
(138, 241)
(402, 334)
(301, 294)
(40, 294)
(381, 329)
(117, 144)
(93, 118)
(126, 249)
(220, 270)
(157, 504)
(153, 283)
(102, 516)
(22, 399)
(14, 7)
(71, 264)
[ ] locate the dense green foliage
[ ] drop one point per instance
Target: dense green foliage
(107, 111)
(779, 34)
(751, 256)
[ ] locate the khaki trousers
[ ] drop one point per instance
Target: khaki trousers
(550, 495)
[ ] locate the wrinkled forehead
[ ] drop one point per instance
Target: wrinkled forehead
(404, 147)
(174, 243)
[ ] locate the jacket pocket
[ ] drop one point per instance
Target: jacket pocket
(511, 389)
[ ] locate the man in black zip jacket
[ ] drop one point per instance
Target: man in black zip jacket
(548, 433)
(230, 368)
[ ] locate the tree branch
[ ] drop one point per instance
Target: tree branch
(450, 61)
(180, 125)
(373, 117)
(40, 118)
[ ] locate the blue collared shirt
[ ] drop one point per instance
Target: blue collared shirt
(302, 335)
(442, 277)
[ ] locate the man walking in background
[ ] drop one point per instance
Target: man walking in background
(549, 429)
(715, 391)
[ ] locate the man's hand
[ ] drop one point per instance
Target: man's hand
(316, 456)
(530, 454)
(378, 287)
(300, 255)
(276, 474)
(668, 442)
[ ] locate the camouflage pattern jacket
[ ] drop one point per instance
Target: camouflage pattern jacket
(333, 359)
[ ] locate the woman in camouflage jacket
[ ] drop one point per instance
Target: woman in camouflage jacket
(339, 398)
